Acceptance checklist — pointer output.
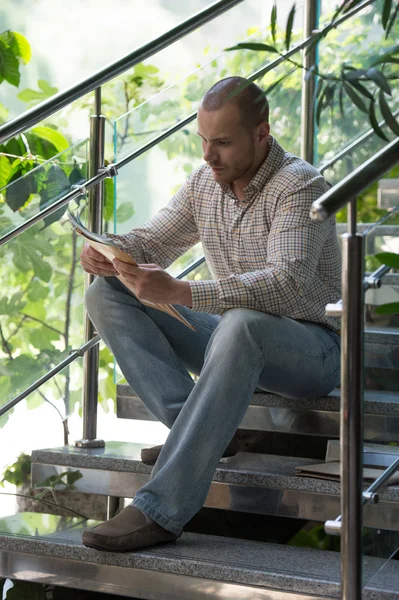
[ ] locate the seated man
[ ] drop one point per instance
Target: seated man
(259, 322)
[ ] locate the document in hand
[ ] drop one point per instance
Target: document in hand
(109, 250)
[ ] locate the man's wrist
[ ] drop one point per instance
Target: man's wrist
(184, 296)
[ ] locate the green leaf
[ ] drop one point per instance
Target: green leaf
(42, 338)
(386, 11)
(5, 170)
(46, 87)
(11, 306)
(41, 268)
(392, 21)
(374, 123)
(33, 96)
(386, 57)
(392, 308)
(387, 114)
(19, 45)
(363, 90)
(379, 79)
(273, 21)
(9, 65)
(388, 258)
(124, 212)
(73, 476)
(4, 112)
(271, 88)
(290, 23)
(355, 98)
(320, 105)
(254, 46)
(18, 192)
(52, 136)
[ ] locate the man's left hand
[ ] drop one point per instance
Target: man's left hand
(155, 285)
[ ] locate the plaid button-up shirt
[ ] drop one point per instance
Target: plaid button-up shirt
(264, 252)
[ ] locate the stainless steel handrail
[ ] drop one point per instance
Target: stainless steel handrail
(102, 174)
(48, 107)
(334, 527)
(75, 193)
(64, 363)
(352, 146)
(62, 99)
(352, 185)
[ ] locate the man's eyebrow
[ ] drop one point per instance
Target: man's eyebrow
(217, 139)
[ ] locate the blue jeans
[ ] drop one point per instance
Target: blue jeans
(234, 354)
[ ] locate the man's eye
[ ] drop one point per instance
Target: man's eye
(223, 143)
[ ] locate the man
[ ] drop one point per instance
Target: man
(259, 322)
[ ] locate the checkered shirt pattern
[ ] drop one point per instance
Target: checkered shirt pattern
(264, 252)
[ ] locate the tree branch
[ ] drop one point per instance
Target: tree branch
(43, 323)
(5, 345)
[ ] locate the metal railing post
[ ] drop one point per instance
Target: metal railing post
(310, 57)
(352, 409)
(95, 216)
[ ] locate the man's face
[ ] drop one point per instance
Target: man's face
(229, 148)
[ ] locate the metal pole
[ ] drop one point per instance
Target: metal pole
(310, 58)
(352, 409)
(95, 217)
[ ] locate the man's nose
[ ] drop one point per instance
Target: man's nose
(209, 153)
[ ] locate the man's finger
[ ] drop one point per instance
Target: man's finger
(123, 267)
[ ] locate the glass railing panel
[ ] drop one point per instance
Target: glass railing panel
(363, 36)
(41, 303)
(49, 418)
(173, 104)
(41, 186)
(381, 358)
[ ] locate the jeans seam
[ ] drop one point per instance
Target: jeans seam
(146, 507)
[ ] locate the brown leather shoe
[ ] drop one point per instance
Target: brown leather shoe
(149, 456)
(128, 531)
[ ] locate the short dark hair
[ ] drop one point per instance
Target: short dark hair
(249, 98)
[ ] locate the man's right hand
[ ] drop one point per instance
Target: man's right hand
(95, 263)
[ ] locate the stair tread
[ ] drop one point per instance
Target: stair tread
(249, 469)
(240, 561)
(375, 401)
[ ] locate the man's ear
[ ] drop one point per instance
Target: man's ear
(263, 131)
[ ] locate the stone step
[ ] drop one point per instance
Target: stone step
(195, 567)
(317, 416)
(251, 483)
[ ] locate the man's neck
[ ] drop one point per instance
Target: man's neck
(239, 186)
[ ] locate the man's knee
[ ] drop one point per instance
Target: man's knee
(238, 328)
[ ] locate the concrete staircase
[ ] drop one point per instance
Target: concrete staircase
(252, 484)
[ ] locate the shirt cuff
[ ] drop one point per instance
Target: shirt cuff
(205, 296)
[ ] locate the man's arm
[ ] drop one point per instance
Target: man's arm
(293, 251)
(165, 237)
(161, 240)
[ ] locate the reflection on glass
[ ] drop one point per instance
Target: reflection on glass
(352, 43)
(42, 186)
(41, 303)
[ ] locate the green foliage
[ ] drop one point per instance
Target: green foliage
(14, 50)
(391, 260)
(316, 538)
(64, 481)
(364, 85)
(19, 472)
(33, 97)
